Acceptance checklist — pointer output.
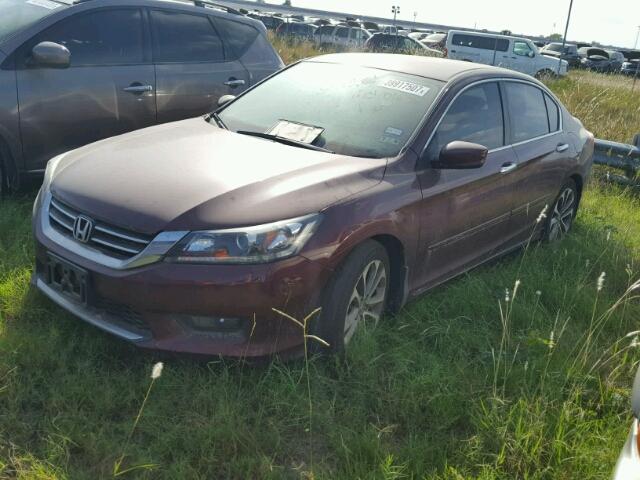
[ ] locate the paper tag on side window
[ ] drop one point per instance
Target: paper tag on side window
(406, 87)
(296, 131)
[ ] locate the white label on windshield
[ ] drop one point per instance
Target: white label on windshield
(44, 4)
(406, 87)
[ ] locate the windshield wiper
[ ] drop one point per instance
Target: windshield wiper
(286, 141)
(218, 120)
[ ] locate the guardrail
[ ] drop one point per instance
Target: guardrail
(621, 156)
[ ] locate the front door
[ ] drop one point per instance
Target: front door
(465, 213)
(522, 58)
(193, 69)
(108, 89)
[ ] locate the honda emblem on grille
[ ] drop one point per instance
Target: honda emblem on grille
(82, 228)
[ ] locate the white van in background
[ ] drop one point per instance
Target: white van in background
(502, 51)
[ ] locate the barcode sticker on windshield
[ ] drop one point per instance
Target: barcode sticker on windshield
(406, 87)
(44, 4)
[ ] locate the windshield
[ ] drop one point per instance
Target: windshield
(18, 14)
(357, 111)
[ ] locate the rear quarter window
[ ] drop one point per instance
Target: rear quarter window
(553, 112)
(246, 42)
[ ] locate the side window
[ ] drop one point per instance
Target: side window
(553, 112)
(184, 38)
(527, 110)
(342, 32)
(521, 48)
(238, 36)
(105, 37)
(475, 116)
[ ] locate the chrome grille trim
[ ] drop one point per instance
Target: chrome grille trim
(153, 252)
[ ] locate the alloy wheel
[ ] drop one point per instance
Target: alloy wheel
(367, 299)
(562, 215)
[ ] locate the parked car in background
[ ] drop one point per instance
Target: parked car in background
(420, 36)
(628, 465)
(269, 21)
(515, 53)
(631, 67)
(437, 41)
(616, 59)
(341, 37)
(569, 52)
(334, 205)
(371, 26)
(393, 30)
(71, 74)
(296, 31)
(595, 59)
(389, 43)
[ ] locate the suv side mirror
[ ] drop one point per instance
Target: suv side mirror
(460, 155)
(223, 100)
(50, 54)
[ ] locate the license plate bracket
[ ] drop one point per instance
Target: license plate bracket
(68, 279)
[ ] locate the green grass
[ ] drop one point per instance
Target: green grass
(458, 385)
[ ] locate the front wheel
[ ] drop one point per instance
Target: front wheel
(356, 297)
(560, 217)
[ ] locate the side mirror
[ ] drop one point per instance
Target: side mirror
(531, 54)
(223, 100)
(635, 395)
(50, 54)
(460, 155)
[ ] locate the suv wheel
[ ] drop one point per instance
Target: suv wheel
(356, 296)
(560, 218)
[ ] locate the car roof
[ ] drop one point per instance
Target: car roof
(442, 69)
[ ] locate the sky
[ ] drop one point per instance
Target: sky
(611, 22)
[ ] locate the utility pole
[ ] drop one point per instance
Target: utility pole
(564, 38)
(635, 76)
(415, 16)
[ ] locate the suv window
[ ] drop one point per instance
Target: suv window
(529, 117)
(475, 116)
(105, 37)
(342, 32)
(239, 36)
(521, 48)
(553, 112)
(184, 38)
(485, 43)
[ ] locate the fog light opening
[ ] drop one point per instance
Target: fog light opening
(216, 324)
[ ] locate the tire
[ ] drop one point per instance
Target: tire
(560, 217)
(544, 74)
(342, 313)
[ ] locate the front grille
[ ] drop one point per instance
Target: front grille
(111, 240)
(123, 315)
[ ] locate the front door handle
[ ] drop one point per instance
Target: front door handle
(138, 88)
(508, 167)
(562, 147)
(234, 82)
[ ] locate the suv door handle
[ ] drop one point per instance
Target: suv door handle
(508, 167)
(233, 83)
(562, 147)
(138, 88)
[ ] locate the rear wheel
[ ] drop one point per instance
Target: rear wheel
(560, 217)
(356, 296)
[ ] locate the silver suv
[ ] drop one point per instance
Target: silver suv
(72, 73)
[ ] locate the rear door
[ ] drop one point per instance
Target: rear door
(108, 89)
(193, 67)
(465, 213)
(544, 154)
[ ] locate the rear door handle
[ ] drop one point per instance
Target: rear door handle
(137, 88)
(508, 167)
(233, 83)
(562, 147)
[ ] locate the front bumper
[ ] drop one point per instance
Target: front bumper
(152, 305)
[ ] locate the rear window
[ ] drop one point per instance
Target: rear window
(185, 38)
(528, 111)
(484, 43)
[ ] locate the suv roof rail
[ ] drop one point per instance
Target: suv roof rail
(197, 3)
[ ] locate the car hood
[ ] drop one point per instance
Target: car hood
(191, 175)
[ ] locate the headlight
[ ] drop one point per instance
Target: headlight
(50, 171)
(260, 244)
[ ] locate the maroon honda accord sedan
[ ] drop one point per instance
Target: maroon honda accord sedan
(350, 182)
